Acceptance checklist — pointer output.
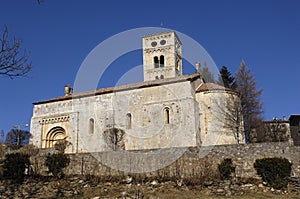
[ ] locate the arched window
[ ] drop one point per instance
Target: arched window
(91, 126)
(162, 61)
(167, 115)
(161, 77)
(128, 121)
(156, 62)
(156, 77)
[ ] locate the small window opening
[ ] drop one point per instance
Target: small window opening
(162, 61)
(128, 122)
(156, 77)
(161, 77)
(167, 115)
(156, 62)
(91, 126)
(177, 65)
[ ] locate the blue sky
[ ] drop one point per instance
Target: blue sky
(59, 35)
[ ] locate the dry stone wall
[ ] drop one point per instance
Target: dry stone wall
(200, 163)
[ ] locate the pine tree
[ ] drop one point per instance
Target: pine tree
(207, 75)
(250, 98)
(226, 79)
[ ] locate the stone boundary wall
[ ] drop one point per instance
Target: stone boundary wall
(200, 163)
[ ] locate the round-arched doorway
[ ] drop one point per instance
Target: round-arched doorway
(54, 135)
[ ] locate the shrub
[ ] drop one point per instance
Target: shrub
(29, 149)
(61, 145)
(1, 170)
(14, 166)
(274, 171)
(226, 168)
(1, 160)
(2, 151)
(56, 163)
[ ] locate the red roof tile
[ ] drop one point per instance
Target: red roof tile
(138, 85)
(211, 86)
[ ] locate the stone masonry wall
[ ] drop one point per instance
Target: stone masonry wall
(195, 162)
(148, 127)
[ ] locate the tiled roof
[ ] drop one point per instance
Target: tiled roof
(294, 116)
(138, 85)
(211, 86)
(276, 121)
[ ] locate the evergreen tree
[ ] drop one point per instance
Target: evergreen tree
(207, 75)
(250, 98)
(226, 79)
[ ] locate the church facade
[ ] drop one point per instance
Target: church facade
(168, 109)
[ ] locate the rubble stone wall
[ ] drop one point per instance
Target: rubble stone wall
(194, 162)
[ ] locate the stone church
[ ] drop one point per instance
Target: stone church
(167, 109)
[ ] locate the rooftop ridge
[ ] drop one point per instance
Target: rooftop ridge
(137, 85)
(212, 86)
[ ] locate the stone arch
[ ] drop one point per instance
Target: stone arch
(54, 135)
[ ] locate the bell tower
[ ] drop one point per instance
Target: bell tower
(162, 56)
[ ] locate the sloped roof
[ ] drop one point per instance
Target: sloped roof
(211, 86)
(138, 85)
(276, 121)
(294, 116)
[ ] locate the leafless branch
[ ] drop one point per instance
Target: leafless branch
(228, 112)
(250, 98)
(114, 137)
(13, 60)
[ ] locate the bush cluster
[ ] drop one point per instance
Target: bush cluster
(275, 171)
(14, 166)
(56, 163)
(226, 168)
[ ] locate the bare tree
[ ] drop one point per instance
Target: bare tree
(2, 136)
(250, 98)
(114, 137)
(13, 60)
(227, 112)
(270, 131)
(17, 138)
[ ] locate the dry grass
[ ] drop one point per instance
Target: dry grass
(176, 194)
(189, 195)
(167, 192)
